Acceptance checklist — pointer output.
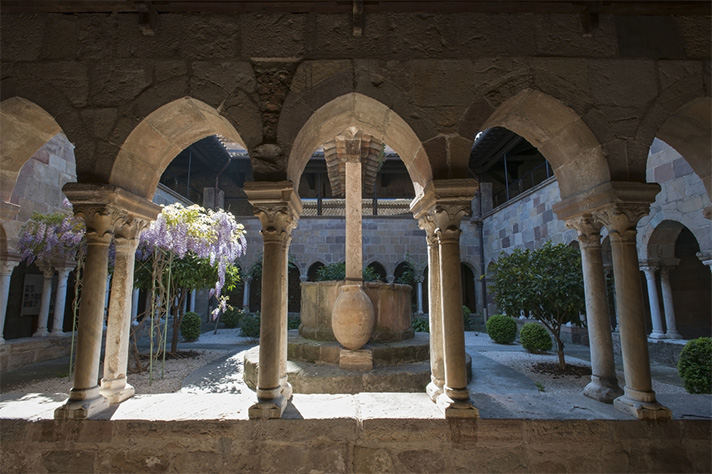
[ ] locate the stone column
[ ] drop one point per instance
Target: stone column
(283, 317)
(419, 289)
(6, 268)
(604, 383)
(116, 355)
(446, 202)
(246, 294)
(620, 219)
(48, 273)
(100, 207)
(670, 324)
(60, 300)
(278, 208)
(134, 303)
(655, 316)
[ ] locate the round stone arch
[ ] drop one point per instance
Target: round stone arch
(560, 134)
(658, 242)
(24, 128)
(160, 137)
(371, 116)
(689, 131)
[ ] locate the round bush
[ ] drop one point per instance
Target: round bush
(695, 365)
(190, 327)
(251, 326)
(535, 338)
(421, 325)
(231, 318)
(502, 329)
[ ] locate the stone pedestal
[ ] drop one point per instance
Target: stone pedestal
(278, 208)
(360, 360)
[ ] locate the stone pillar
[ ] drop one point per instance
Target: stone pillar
(620, 219)
(60, 300)
(445, 203)
(116, 355)
(286, 387)
(134, 304)
(100, 207)
(670, 324)
(419, 289)
(655, 315)
(48, 273)
(6, 268)
(278, 208)
(604, 383)
(245, 295)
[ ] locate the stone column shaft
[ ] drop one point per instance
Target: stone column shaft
(671, 332)
(420, 296)
(440, 209)
(246, 294)
(114, 385)
(278, 208)
(639, 398)
(655, 315)
(43, 317)
(60, 300)
(286, 387)
(6, 269)
(354, 239)
(437, 365)
(604, 383)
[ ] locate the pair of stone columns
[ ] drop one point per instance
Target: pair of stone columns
(60, 300)
(109, 213)
(278, 207)
(617, 206)
(649, 268)
(439, 212)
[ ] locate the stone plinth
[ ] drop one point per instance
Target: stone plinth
(391, 304)
(361, 360)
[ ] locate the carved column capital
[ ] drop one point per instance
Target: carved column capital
(588, 229)
(445, 203)
(277, 206)
(621, 219)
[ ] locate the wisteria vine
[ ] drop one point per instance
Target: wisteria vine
(48, 238)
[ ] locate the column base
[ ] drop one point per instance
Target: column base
(642, 410)
(605, 393)
(271, 409)
(657, 335)
(434, 390)
(82, 404)
(42, 332)
(58, 333)
(673, 335)
(457, 408)
(117, 390)
(285, 389)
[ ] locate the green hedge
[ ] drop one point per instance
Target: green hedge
(190, 327)
(695, 365)
(502, 329)
(535, 338)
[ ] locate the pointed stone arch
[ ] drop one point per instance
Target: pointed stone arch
(159, 137)
(689, 131)
(24, 128)
(371, 116)
(560, 134)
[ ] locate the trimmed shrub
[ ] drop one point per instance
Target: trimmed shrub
(293, 322)
(695, 365)
(231, 318)
(190, 326)
(421, 325)
(251, 326)
(535, 338)
(502, 329)
(467, 318)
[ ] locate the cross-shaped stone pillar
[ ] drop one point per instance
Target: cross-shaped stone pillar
(443, 205)
(127, 231)
(101, 207)
(278, 207)
(604, 383)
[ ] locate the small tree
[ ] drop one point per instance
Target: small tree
(546, 283)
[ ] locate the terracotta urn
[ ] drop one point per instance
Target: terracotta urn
(352, 318)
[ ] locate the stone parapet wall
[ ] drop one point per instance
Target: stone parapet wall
(31, 350)
(349, 445)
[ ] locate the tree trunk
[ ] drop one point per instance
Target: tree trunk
(560, 349)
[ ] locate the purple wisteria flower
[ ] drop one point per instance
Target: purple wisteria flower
(213, 235)
(51, 237)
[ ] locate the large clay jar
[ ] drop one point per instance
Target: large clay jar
(352, 318)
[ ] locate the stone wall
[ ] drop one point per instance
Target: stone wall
(346, 445)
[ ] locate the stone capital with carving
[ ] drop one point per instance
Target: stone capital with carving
(445, 203)
(588, 229)
(108, 209)
(277, 206)
(621, 219)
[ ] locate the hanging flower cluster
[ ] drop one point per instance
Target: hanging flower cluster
(214, 235)
(51, 237)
